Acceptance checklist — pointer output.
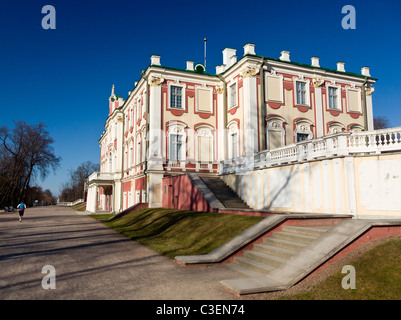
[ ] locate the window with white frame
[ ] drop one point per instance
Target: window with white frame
(233, 140)
(274, 87)
(138, 149)
(303, 130)
(333, 98)
(138, 109)
(302, 93)
(275, 132)
(176, 142)
(176, 147)
(176, 97)
(233, 95)
(204, 144)
(354, 100)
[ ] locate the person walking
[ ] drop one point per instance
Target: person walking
(21, 208)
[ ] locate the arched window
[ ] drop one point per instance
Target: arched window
(275, 132)
(176, 139)
(303, 130)
(233, 139)
(335, 127)
(204, 146)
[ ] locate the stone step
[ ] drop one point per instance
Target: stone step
(253, 265)
(264, 258)
(307, 230)
(224, 193)
(244, 271)
(274, 250)
(295, 237)
(282, 243)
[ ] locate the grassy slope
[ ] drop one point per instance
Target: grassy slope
(172, 232)
(378, 276)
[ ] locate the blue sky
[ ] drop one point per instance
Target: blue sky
(63, 77)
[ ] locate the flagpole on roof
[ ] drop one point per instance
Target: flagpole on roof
(205, 51)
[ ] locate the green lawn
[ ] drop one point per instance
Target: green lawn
(174, 232)
(378, 277)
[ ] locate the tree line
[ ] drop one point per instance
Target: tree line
(74, 188)
(26, 153)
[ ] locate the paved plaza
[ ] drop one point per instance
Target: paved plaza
(92, 261)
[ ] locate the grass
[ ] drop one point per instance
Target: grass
(174, 232)
(378, 277)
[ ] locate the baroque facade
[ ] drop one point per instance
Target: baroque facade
(177, 121)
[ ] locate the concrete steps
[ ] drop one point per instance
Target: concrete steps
(276, 250)
(224, 193)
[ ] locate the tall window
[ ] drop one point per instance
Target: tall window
(233, 95)
(176, 147)
(176, 97)
(333, 98)
(301, 93)
(234, 145)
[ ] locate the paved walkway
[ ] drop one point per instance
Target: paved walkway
(93, 262)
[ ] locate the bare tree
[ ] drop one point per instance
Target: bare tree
(74, 188)
(381, 122)
(27, 153)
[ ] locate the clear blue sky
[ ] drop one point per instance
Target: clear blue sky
(63, 77)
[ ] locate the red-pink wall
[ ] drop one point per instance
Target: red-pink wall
(180, 193)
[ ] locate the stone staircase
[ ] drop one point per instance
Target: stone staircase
(274, 251)
(224, 193)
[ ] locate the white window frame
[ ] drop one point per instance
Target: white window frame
(336, 127)
(275, 123)
(204, 88)
(307, 92)
(232, 103)
(183, 95)
(233, 130)
(338, 88)
(302, 126)
(138, 109)
(204, 131)
(274, 75)
(359, 99)
(177, 128)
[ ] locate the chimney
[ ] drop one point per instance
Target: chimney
(190, 65)
(155, 60)
(233, 60)
(340, 66)
(285, 56)
(315, 62)
(227, 54)
(249, 48)
(365, 71)
(219, 69)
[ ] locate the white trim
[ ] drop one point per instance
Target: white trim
(307, 91)
(339, 104)
(230, 104)
(303, 127)
(275, 123)
(176, 83)
(359, 99)
(274, 75)
(205, 88)
(232, 128)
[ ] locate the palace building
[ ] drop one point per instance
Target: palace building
(178, 121)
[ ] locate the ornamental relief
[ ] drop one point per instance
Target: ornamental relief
(156, 81)
(250, 72)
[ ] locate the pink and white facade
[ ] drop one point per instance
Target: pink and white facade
(177, 121)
